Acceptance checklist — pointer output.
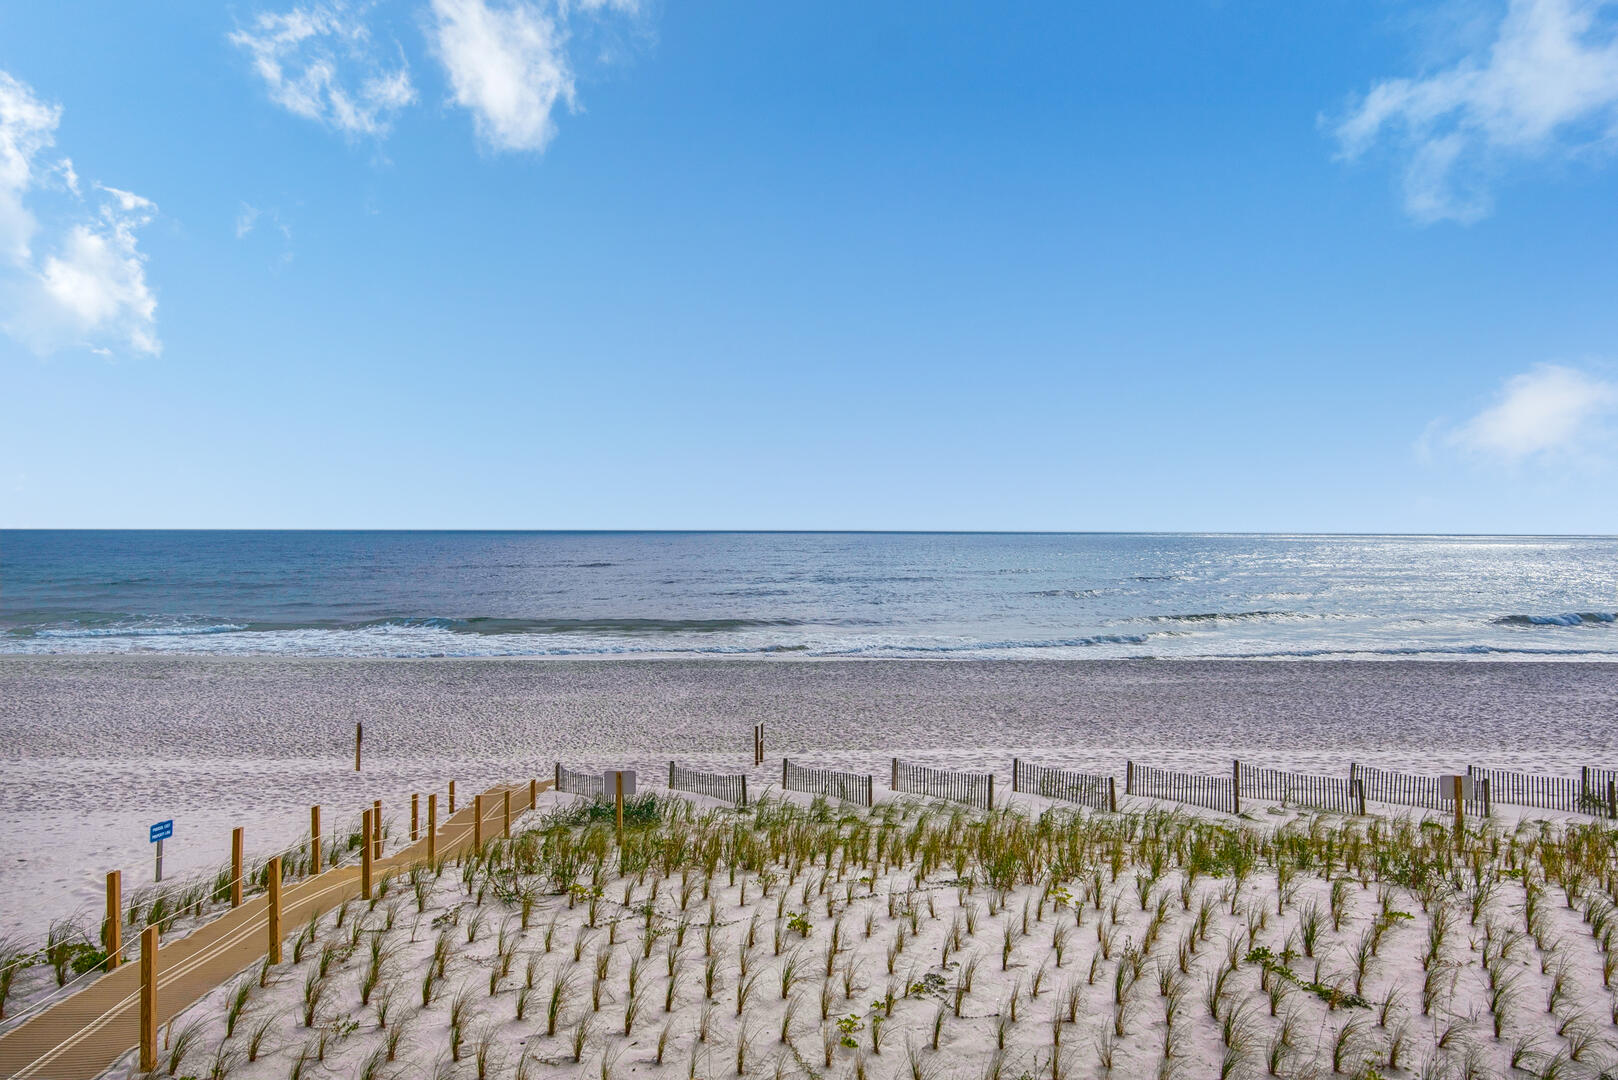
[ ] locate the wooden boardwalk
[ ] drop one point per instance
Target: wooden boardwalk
(82, 1035)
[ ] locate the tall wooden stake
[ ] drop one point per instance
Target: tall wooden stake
(376, 828)
(452, 796)
(365, 855)
(1236, 785)
(477, 822)
(359, 736)
(315, 861)
(533, 793)
(236, 867)
(415, 817)
(618, 784)
(432, 827)
(505, 823)
(274, 882)
(1460, 809)
(148, 999)
(113, 935)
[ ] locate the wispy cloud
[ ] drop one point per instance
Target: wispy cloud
(1545, 87)
(1551, 411)
(89, 289)
(321, 62)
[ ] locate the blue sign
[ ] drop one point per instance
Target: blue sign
(162, 830)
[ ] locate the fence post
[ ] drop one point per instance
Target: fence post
(148, 999)
(432, 826)
(556, 783)
(236, 867)
(1129, 778)
(1112, 794)
(618, 802)
(365, 855)
(506, 823)
(415, 817)
(113, 934)
(1612, 800)
(452, 796)
(1015, 783)
(894, 783)
(376, 827)
(1236, 784)
(533, 793)
(1460, 808)
(477, 822)
(315, 860)
(744, 789)
(359, 735)
(991, 791)
(783, 774)
(1487, 808)
(1359, 792)
(671, 776)
(273, 881)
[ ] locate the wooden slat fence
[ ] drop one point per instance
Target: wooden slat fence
(1600, 791)
(1527, 789)
(1334, 794)
(726, 787)
(579, 783)
(1401, 789)
(1209, 792)
(975, 789)
(849, 787)
(1086, 789)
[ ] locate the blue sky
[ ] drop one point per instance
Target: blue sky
(467, 263)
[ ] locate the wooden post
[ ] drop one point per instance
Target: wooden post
(1112, 794)
(556, 782)
(744, 789)
(376, 828)
(1584, 786)
(533, 793)
(1014, 784)
(671, 776)
(618, 801)
(1612, 800)
(783, 774)
(1460, 808)
(477, 822)
(893, 783)
(505, 824)
(274, 882)
(148, 999)
(452, 796)
(432, 826)
(1359, 794)
(991, 791)
(415, 817)
(1129, 778)
(236, 867)
(365, 855)
(113, 934)
(314, 840)
(359, 736)
(1236, 784)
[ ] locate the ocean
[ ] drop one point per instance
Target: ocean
(808, 595)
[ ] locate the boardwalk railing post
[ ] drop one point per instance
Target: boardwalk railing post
(148, 999)
(1236, 786)
(359, 735)
(274, 882)
(506, 823)
(236, 867)
(415, 817)
(452, 796)
(477, 822)
(314, 840)
(376, 827)
(533, 793)
(365, 855)
(1112, 794)
(432, 826)
(112, 935)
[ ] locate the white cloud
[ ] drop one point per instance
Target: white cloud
(90, 289)
(1549, 411)
(246, 219)
(1546, 87)
(320, 62)
(508, 66)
